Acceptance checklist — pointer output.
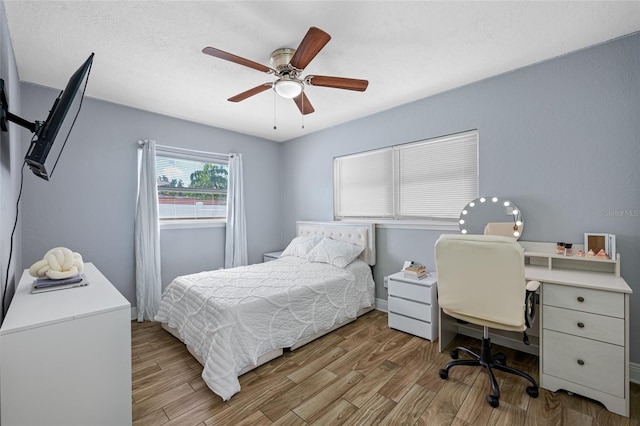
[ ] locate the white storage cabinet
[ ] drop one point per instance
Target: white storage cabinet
(413, 305)
(65, 356)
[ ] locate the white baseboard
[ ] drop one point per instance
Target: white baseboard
(382, 305)
(134, 313)
(634, 373)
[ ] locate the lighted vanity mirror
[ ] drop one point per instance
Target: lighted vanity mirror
(491, 215)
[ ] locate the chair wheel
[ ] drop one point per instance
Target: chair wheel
(444, 374)
(493, 401)
(532, 391)
(500, 359)
(454, 354)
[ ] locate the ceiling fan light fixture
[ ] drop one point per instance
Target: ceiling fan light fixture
(288, 88)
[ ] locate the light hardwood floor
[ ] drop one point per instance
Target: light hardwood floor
(361, 374)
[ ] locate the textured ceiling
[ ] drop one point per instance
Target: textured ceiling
(148, 53)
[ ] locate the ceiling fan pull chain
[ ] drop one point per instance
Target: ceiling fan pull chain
(302, 115)
(274, 110)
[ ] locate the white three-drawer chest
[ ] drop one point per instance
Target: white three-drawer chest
(413, 305)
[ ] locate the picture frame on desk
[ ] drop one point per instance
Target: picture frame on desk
(600, 241)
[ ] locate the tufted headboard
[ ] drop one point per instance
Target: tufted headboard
(361, 234)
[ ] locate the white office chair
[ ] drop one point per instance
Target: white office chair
(505, 229)
(481, 281)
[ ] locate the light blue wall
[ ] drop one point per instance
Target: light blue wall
(89, 203)
(561, 139)
(10, 162)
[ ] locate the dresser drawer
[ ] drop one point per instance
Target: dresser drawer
(589, 363)
(421, 293)
(584, 299)
(412, 326)
(584, 324)
(410, 308)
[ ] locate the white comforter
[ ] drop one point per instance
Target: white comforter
(231, 317)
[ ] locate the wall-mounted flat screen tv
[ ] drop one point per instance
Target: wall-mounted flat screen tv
(50, 136)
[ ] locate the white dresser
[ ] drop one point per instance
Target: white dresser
(65, 356)
(413, 305)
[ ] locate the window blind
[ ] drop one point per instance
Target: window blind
(436, 179)
(429, 179)
(364, 184)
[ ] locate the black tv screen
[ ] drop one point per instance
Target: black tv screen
(51, 136)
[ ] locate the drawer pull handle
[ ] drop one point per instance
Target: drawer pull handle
(580, 299)
(580, 362)
(581, 325)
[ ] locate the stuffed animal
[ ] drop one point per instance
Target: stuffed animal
(58, 263)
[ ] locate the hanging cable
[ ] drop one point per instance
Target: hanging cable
(15, 224)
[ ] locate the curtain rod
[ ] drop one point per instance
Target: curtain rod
(142, 143)
(186, 151)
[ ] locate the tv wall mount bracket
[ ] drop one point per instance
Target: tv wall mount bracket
(6, 116)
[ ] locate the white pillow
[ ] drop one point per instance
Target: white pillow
(338, 253)
(301, 246)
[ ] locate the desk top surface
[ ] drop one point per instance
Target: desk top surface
(578, 278)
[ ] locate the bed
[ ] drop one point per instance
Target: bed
(233, 320)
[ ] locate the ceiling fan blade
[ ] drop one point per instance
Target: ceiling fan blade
(303, 104)
(311, 44)
(237, 59)
(337, 82)
(254, 91)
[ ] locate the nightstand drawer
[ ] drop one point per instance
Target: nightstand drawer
(410, 308)
(411, 291)
(589, 363)
(584, 299)
(584, 324)
(412, 326)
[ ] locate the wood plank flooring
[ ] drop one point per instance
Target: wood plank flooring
(361, 374)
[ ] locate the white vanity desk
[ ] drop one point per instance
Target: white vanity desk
(582, 330)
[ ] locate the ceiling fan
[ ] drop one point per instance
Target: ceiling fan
(287, 64)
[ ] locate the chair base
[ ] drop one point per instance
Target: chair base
(489, 361)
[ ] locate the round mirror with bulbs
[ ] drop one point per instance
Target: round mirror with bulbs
(491, 216)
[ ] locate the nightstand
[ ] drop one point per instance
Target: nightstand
(413, 305)
(267, 257)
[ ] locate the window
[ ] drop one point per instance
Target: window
(429, 179)
(191, 184)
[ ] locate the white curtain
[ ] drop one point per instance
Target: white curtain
(235, 253)
(147, 235)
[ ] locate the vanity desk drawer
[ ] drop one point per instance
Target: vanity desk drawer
(586, 362)
(583, 324)
(584, 299)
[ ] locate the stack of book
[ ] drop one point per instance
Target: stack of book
(415, 270)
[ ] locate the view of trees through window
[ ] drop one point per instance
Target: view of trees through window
(190, 189)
